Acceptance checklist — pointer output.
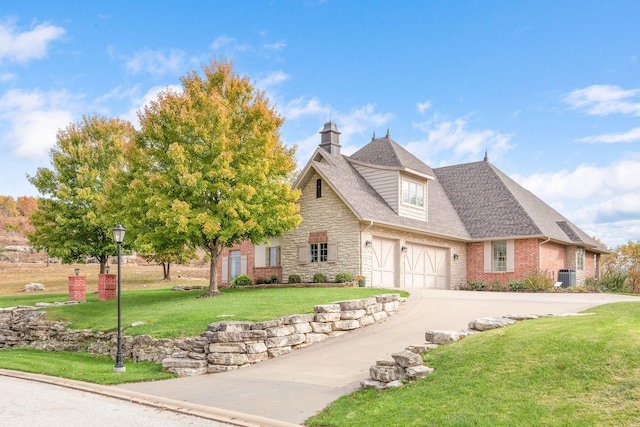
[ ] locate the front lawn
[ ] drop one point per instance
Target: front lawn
(170, 314)
(577, 371)
(79, 366)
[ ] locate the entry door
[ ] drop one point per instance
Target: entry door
(384, 262)
(425, 266)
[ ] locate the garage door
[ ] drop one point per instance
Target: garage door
(383, 272)
(425, 266)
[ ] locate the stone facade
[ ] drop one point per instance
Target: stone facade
(224, 346)
(326, 214)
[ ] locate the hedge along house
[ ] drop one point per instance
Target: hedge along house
(384, 214)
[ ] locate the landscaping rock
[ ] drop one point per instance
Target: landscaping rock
(488, 323)
(414, 373)
(386, 373)
(443, 337)
(407, 358)
(33, 287)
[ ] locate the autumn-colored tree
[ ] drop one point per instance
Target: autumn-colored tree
(71, 221)
(215, 172)
(27, 205)
(8, 206)
(624, 259)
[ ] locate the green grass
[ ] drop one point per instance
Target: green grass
(79, 366)
(577, 371)
(170, 314)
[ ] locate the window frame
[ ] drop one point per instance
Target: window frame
(413, 193)
(318, 188)
(580, 255)
(499, 256)
(319, 252)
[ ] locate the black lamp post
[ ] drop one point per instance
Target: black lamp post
(118, 236)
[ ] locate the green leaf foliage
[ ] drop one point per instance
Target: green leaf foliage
(71, 221)
(209, 166)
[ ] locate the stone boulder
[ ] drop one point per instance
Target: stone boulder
(443, 337)
(487, 323)
(33, 287)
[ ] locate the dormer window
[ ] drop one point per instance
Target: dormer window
(412, 193)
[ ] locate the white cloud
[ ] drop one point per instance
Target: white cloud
(6, 77)
(603, 100)
(602, 200)
(272, 79)
(611, 138)
(228, 44)
(456, 137)
(34, 119)
(360, 121)
(300, 107)
(275, 46)
(586, 181)
(20, 47)
(423, 106)
(157, 62)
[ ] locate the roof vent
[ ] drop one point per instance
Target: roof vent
(330, 138)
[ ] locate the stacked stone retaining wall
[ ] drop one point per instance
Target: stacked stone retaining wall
(224, 346)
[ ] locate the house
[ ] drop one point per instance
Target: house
(384, 214)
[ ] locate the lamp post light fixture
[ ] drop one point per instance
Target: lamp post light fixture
(118, 236)
(77, 271)
(106, 269)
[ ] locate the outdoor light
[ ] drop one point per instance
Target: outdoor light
(106, 269)
(455, 257)
(118, 236)
(77, 271)
(404, 249)
(367, 244)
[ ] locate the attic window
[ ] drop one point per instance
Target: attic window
(412, 193)
(318, 188)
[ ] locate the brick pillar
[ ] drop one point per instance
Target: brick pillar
(77, 288)
(107, 287)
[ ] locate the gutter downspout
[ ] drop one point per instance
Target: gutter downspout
(361, 244)
(539, 245)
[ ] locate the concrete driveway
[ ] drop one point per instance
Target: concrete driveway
(296, 386)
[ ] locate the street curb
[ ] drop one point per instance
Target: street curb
(208, 412)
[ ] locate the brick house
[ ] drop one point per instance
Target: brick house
(384, 214)
(256, 261)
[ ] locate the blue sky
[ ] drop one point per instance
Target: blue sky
(551, 89)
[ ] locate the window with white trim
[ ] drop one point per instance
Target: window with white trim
(412, 193)
(272, 256)
(499, 250)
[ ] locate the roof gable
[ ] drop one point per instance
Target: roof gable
(386, 152)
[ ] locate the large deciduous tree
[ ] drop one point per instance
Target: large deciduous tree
(71, 222)
(215, 172)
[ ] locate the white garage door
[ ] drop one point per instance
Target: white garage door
(425, 266)
(383, 272)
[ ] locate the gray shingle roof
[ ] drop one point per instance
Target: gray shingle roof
(492, 205)
(386, 152)
(473, 201)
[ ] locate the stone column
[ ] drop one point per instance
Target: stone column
(107, 287)
(77, 288)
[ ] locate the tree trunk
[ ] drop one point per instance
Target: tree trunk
(214, 255)
(104, 260)
(166, 268)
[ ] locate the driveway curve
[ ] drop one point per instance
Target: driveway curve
(294, 387)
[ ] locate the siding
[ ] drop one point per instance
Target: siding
(385, 182)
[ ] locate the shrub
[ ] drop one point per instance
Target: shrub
(344, 277)
(260, 280)
(242, 280)
(538, 282)
(517, 285)
(496, 286)
(613, 282)
(274, 278)
(476, 285)
(320, 278)
(295, 278)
